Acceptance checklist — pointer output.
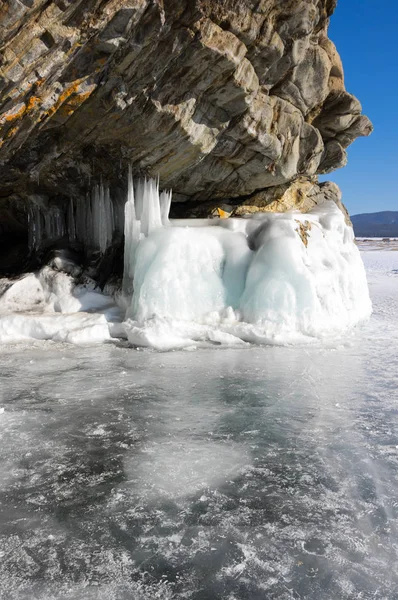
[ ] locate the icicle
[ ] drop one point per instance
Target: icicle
(83, 232)
(92, 217)
(71, 222)
(130, 195)
(139, 202)
(35, 228)
(165, 203)
(100, 220)
(150, 219)
(59, 223)
(132, 231)
(54, 223)
(109, 217)
(155, 219)
(102, 223)
(89, 240)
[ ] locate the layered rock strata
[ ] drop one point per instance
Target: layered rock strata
(225, 100)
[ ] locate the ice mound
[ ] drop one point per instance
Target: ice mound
(187, 273)
(272, 278)
(78, 328)
(49, 306)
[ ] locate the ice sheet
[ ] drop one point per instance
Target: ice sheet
(225, 474)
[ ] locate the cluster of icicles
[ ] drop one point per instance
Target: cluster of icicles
(145, 211)
(92, 223)
(97, 222)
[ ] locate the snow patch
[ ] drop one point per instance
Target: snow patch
(49, 306)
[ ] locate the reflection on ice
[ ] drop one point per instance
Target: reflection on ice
(182, 468)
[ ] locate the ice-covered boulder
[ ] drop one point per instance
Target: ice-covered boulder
(271, 278)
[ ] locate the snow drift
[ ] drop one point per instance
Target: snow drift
(49, 306)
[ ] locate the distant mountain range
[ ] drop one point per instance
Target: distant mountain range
(380, 224)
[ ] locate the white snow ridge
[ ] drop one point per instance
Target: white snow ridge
(271, 278)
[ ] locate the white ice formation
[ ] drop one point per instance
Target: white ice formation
(146, 210)
(268, 279)
(48, 306)
(93, 223)
(271, 278)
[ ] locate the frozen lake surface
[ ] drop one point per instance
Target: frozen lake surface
(246, 474)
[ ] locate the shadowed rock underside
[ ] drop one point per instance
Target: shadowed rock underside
(227, 101)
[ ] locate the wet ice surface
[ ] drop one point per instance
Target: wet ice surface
(262, 473)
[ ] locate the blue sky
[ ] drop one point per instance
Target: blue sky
(365, 33)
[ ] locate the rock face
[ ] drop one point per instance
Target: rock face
(222, 99)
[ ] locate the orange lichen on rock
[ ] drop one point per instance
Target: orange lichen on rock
(11, 132)
(33, 102)
(64, 96)
(14, 113)
(73, 102)
(70, 100)
(19, 111)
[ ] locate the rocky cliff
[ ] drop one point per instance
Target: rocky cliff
(239, 101)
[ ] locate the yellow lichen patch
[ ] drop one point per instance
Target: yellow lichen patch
(72, 103)
(33, 102)
(281, 198)
(20, 110)
(67, 93)
(11, 132)
(70, 99)
(63, 97)
(304, 227)
(14, 113)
